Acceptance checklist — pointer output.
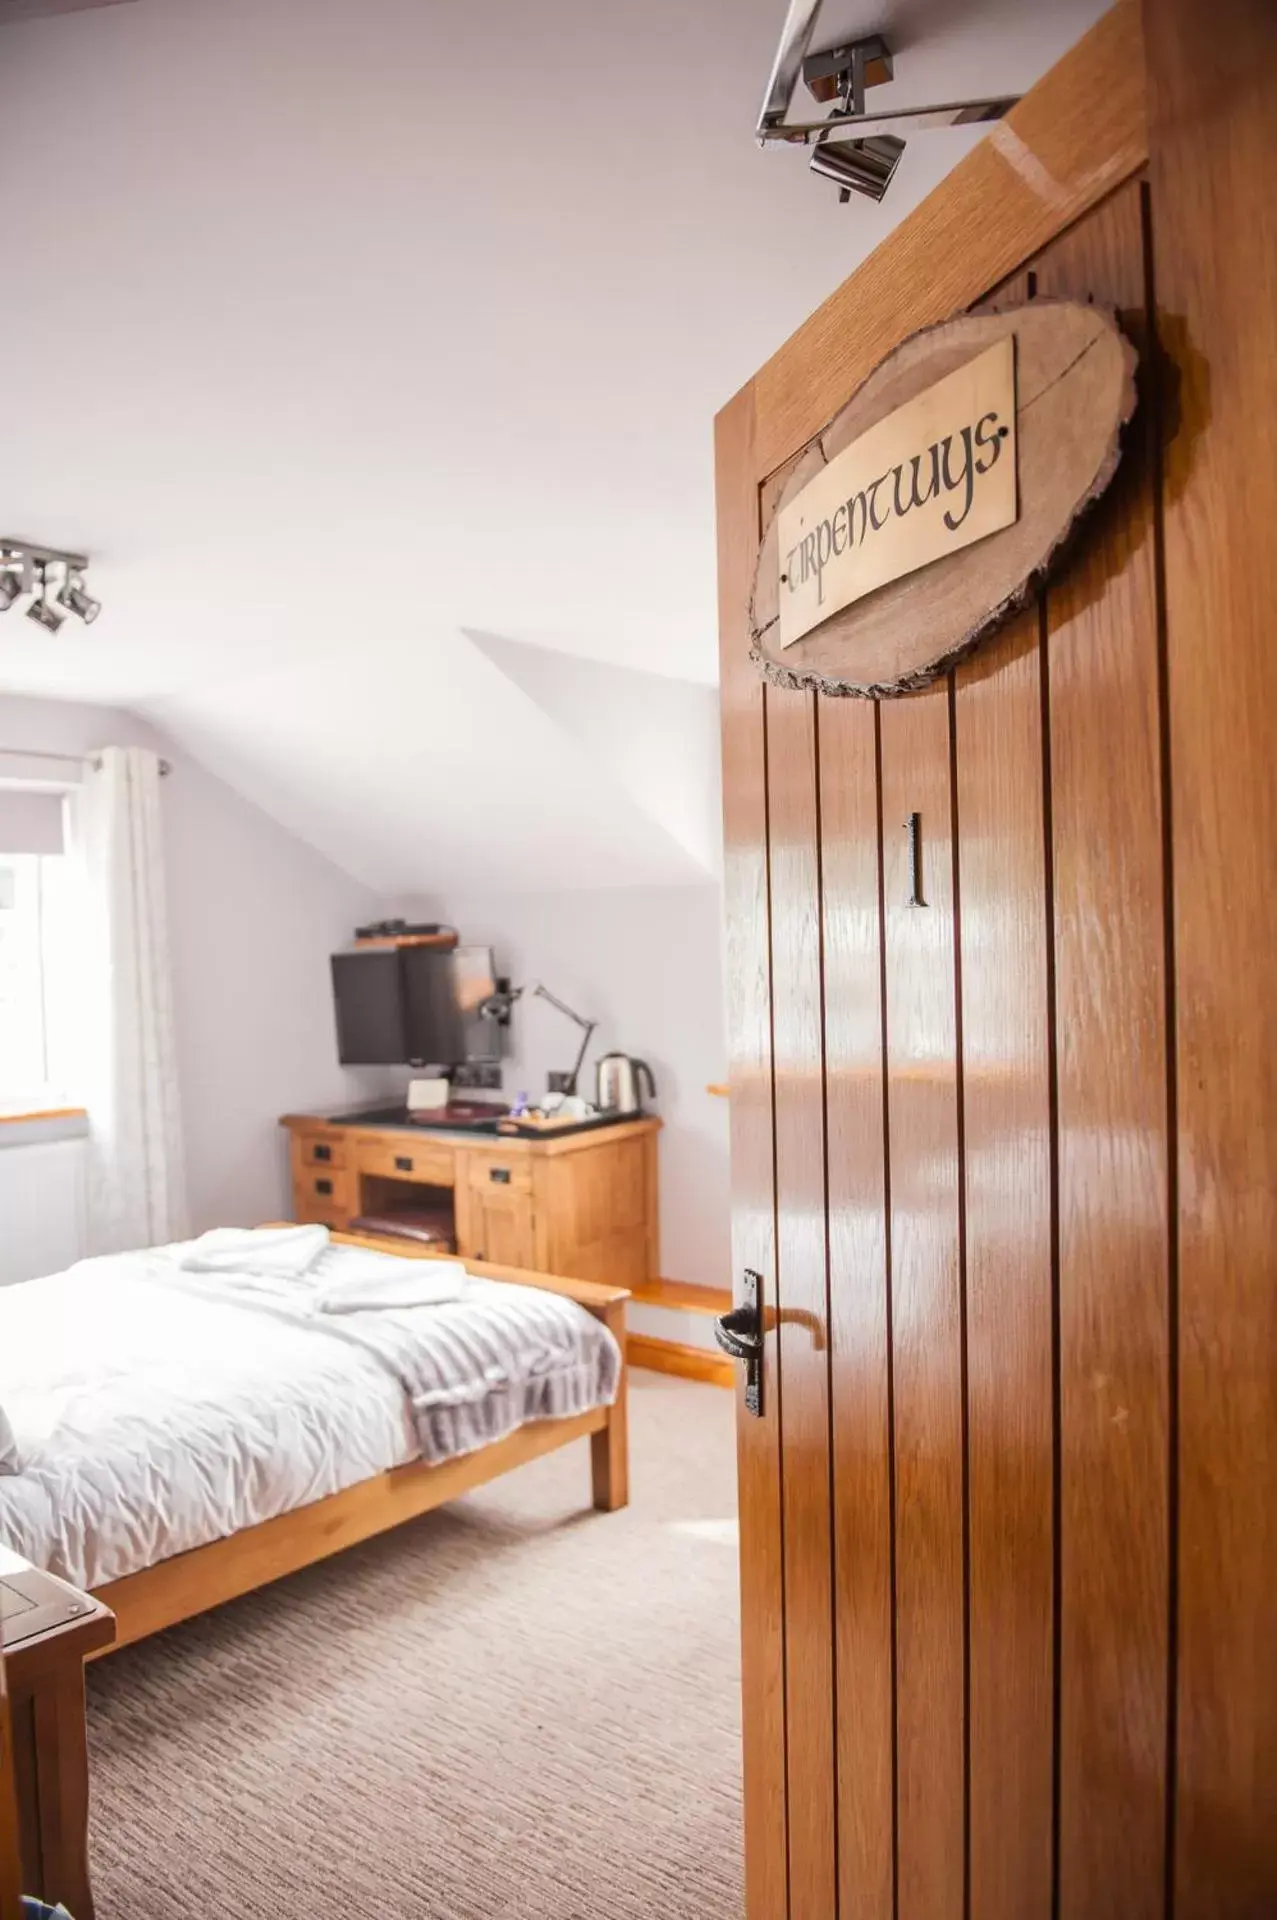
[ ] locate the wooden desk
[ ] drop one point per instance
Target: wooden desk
(45, 1675)
(584, 1204)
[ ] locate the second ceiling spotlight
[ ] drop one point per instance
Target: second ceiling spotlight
(28, 569)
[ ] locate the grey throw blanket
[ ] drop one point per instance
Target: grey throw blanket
(473, 1368)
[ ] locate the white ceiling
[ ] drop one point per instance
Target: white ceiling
(341, 333)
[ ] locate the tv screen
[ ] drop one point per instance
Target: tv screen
(414, 1006)
(433, 1028)
(368, 995)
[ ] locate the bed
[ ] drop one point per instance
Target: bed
(185, 1435)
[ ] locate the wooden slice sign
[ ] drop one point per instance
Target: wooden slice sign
(930, 507)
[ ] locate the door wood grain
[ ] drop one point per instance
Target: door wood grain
(1008, 1161)
(1111, 1007)
(747, 983)
(859, 1309)
(1008, 1556)
(1213, 136)
(927, 1308)
(802, 1298)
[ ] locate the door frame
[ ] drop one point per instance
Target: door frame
(1076, 137)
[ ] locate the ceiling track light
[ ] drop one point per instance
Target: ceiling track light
(40, 611)
(865, 160)
(74, 598)
(25, 568)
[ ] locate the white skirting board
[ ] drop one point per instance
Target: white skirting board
(42, 1208)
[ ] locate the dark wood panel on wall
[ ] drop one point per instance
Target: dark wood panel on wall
(859, 1309)
(1111, 1005)
(748, 1006)
(802, 1297)
(1006, 1081)
(927, 1305)
(1213, 153)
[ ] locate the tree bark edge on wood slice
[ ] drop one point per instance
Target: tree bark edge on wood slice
(1076, 393)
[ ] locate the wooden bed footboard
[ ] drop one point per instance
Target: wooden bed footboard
(190, 1583)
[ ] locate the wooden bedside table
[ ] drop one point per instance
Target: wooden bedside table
(49, 1631)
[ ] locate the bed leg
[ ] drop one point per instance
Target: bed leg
(610, 1447)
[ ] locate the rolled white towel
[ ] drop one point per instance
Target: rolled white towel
(389, 1283)
(285, 1251)
(10, 1458)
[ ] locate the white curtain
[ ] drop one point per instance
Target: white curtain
(137, 1188)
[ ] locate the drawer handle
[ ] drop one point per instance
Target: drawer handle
(323, 1153)
(402, 1163)
(323, 1186)
(500, 1176)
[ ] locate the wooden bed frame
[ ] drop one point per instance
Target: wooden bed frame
(189, 1583)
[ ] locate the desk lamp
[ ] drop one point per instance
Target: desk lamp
(498, 1007)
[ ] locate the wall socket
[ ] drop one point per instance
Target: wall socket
(481, 1074)
(558, 1082)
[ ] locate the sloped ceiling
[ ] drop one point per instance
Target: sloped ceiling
(364, 342)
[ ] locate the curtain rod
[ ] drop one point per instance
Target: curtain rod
(68, 759)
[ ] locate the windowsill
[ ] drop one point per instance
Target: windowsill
(29, 1124)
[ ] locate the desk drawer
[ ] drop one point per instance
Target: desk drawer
(495, 1170)
(424, 1161)
(321, 1149)
(324, 1196)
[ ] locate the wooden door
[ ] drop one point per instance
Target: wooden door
(501, 1228)
(1007, 1164)
(495, 1211)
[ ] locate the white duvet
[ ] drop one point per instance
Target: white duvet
(154, 1409)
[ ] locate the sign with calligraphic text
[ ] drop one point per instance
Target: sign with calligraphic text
(929, 509)
(934, 476)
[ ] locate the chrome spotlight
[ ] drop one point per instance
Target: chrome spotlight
(41, 612)
(10, 588)
(858, 166)
(76, 600)
(864, 159)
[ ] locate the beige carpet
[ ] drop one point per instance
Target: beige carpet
(514, 1707)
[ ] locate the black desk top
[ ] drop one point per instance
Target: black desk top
(500, 1126)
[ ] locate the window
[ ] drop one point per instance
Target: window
(42, 945)
(25, 1066)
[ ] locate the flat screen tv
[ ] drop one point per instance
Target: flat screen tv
(368, 997)
(414, 1006)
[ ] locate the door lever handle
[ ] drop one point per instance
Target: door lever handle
(740, 1333)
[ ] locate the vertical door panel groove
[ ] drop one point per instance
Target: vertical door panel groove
(1212, 84)
(891, 1336)
(802, 1300)
(1154, 428)
(1007, 1160)
(1053, 1110)
(1113, 1151)
(963, 1351)
(926, 1309)
(747, 910)
(858, 1321)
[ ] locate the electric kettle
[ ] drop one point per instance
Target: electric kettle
(618, 1081)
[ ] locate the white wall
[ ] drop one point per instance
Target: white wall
(646, 963)
(254, 915)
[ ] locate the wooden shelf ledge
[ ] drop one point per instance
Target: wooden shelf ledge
(683, 1296)
(689, 1363)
